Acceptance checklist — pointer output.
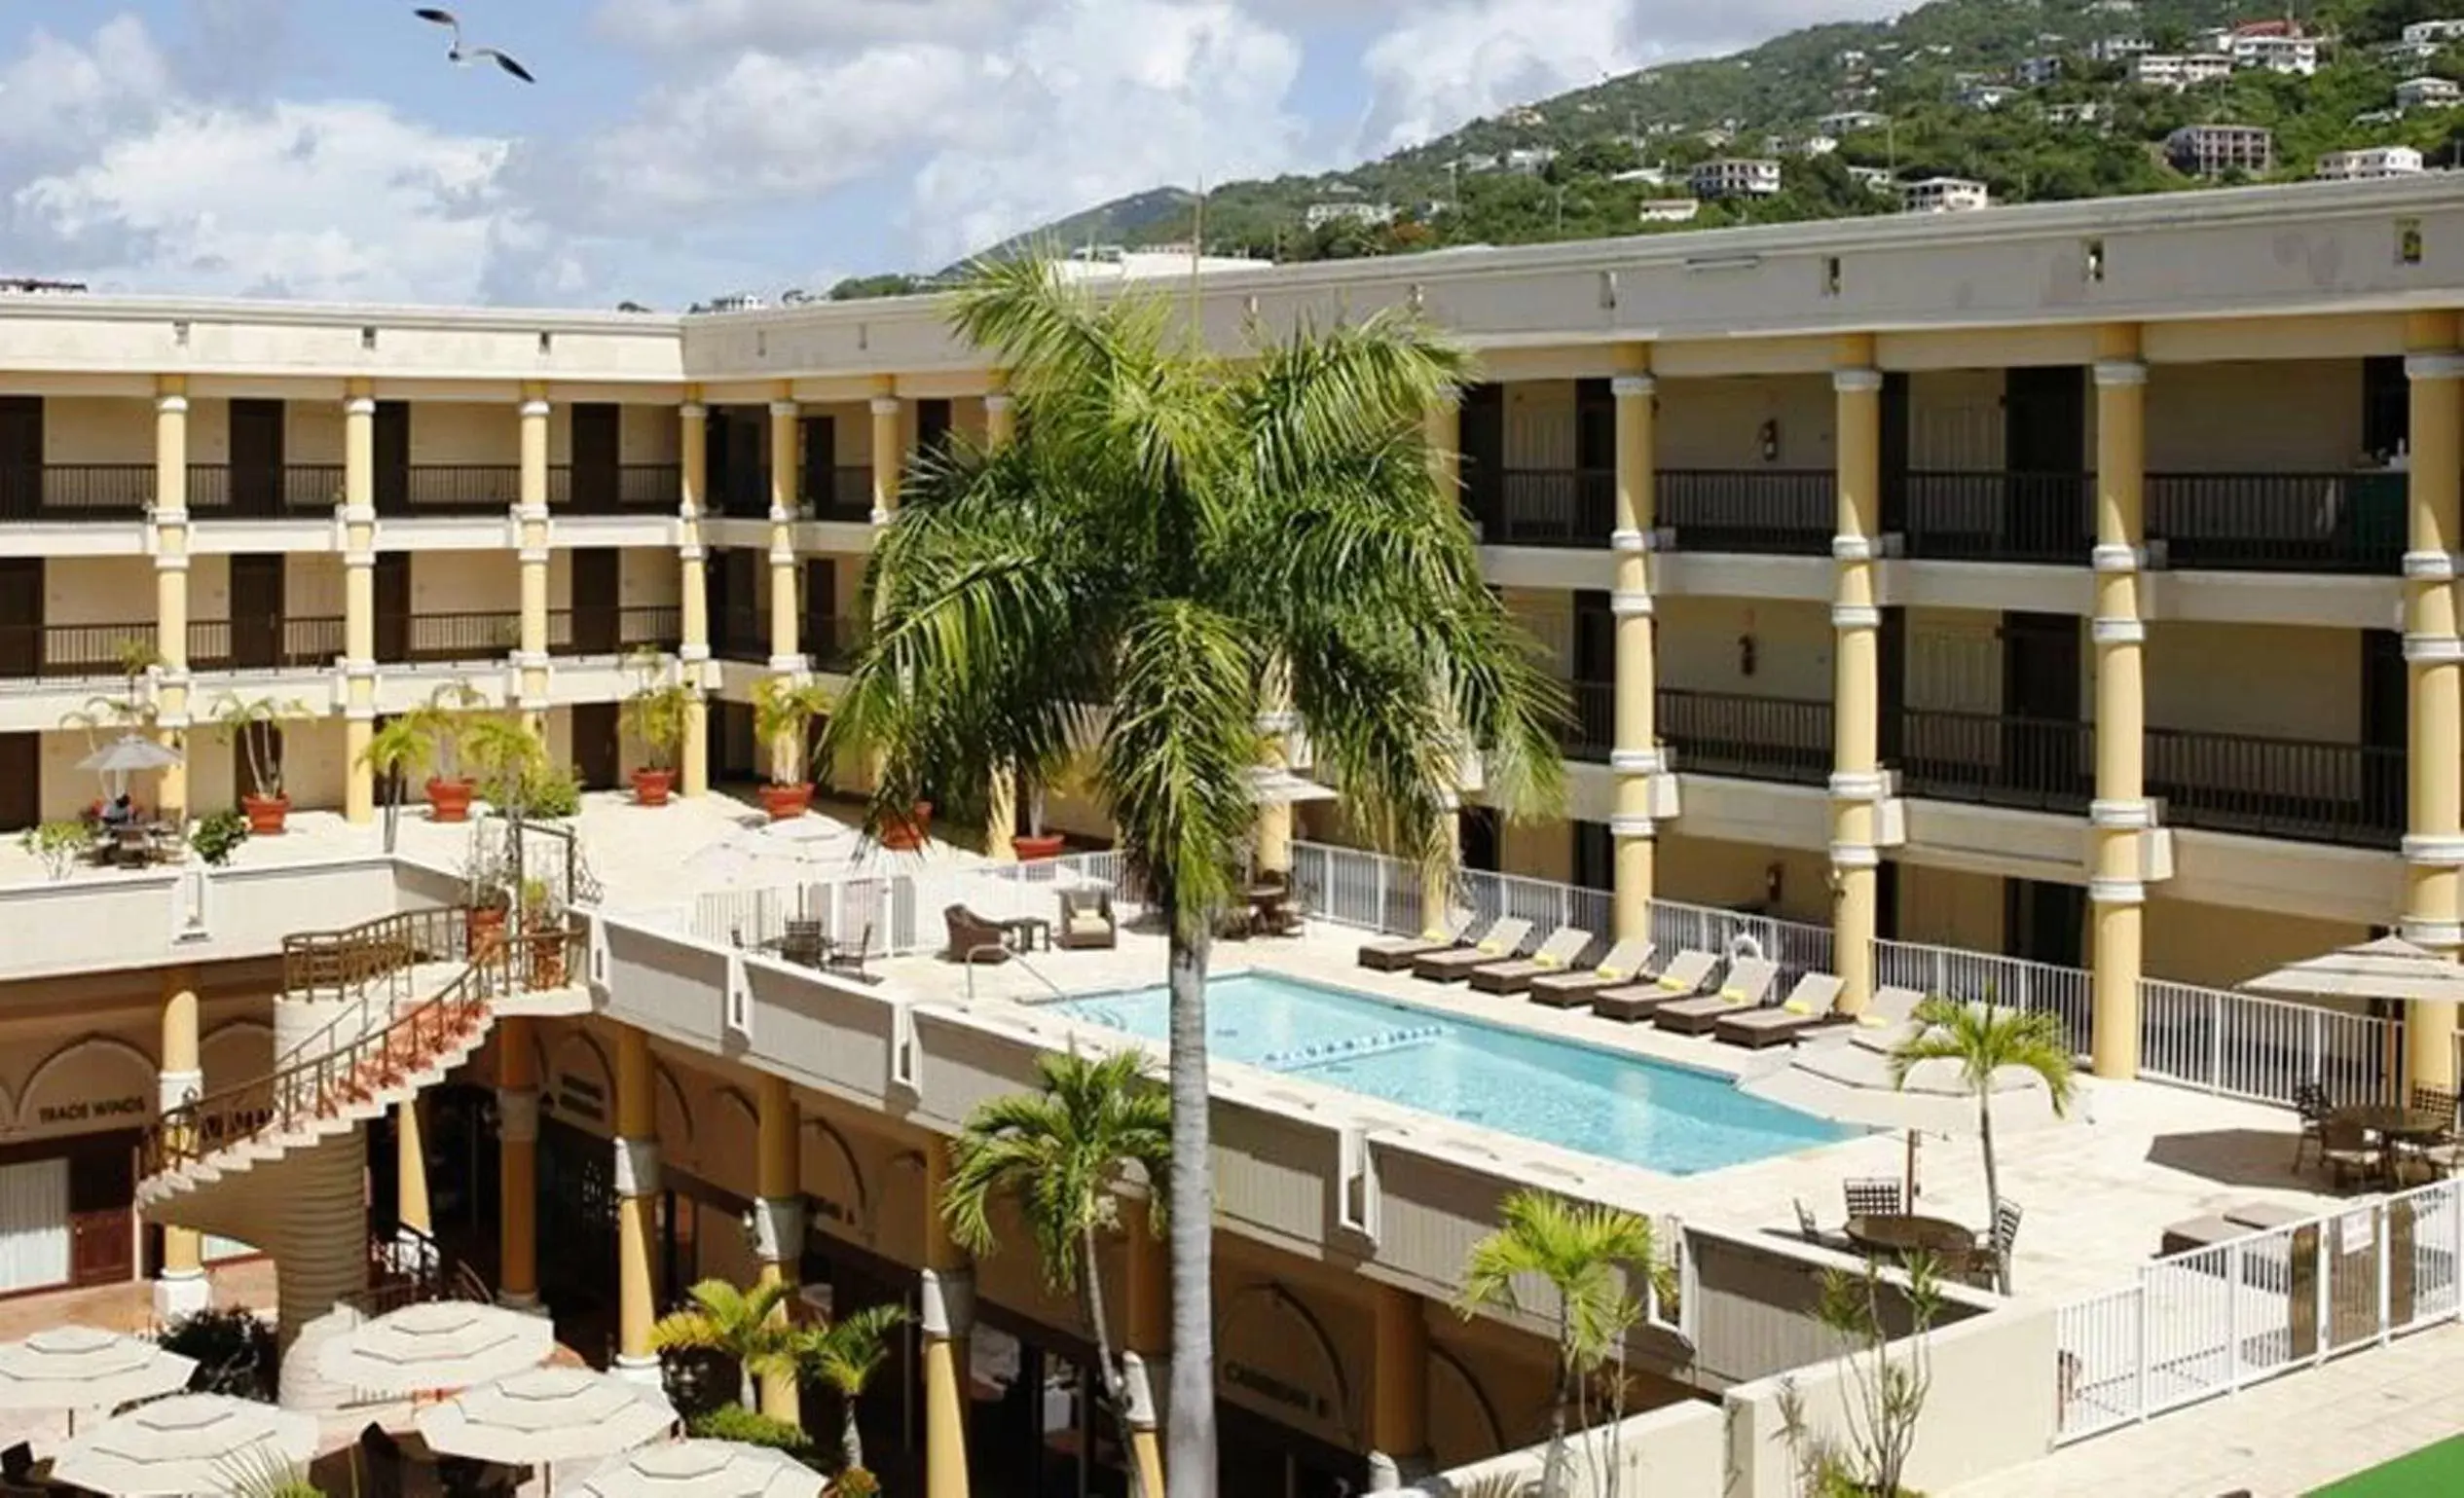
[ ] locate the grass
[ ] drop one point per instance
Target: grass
(2434, 1468)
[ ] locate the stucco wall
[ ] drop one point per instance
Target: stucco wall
(1718, 424)
(1701, 647)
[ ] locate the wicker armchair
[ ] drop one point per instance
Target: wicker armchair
(1087, 921)
(974, 939)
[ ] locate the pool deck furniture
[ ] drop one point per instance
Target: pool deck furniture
(974, 939)
(2395, 1126)
(1683, 978)
(1087, 922)
(1395, 954)
(1504, 938)
(2345, 1150)
(1809, 1004)
(1553, 956)
(2265, 1216)
(1873, 1196)
(1745, 987)
(1890, 1019)
(1896, 1235)
(1574, 990)
(2198, 1233)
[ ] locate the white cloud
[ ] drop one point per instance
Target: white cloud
(1447, 63)
(793, 25)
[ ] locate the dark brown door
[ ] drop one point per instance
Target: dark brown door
(742, 624)
(393, 457)
(2386, 729)
(595, 746)
(2041, 746)
(598, 442)
(393, 605)
(21, 456)
(21, 616)
(821, 639)
(932, 426)
(820, 436)
(101, 1225)
(1483, 454)
(256, 611)
(20, 781)
(2044, 451)
(597, 584)
(256, 457)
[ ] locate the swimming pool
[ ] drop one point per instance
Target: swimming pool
(1662, 1117)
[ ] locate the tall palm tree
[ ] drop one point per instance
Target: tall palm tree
(1983, 1038)
(1176, 542)
(1063, 1152)
(739, 1324)
(844, 1354)
(1589, 1255)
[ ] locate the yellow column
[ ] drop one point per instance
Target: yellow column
(1857, 782)
(359, 599)
(181, 1290)
(517, 1163)
(410, 1181)
(1399, 1391)
(1146, 1342)
(786, 490)
(170, 581)
(1001, 803)
(532, 659)
(2120, 810)
(1001, 415)
(1636, 759)
(778, 1222)
(1441, 435)
(2434, 838)
(693, 592)
(637, 1205)
(889, 453)
(948, 1314)
(1274, 817)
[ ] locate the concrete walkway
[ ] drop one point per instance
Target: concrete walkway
(2279, 1439)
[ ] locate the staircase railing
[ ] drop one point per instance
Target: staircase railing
(359, 966)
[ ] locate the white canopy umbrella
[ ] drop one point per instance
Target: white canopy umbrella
(437, 1345)
(2389, 967)
(548, 1414)
(1275, 785)
(86, 1367)
(187, 1445)
(127, 756)
(704, 1469)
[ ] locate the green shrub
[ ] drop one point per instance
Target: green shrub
(734, 1422)
(234, 1350)
(855, 1482)
(215, 837)
(550, 791)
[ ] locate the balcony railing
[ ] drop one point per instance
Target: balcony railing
(2301, 790)
(614, 630)
(77, 492)
(744, 635)
(637, 489)
(462, 636)
(1591, 732)
(833, 642)
(1777, 511)
(216, 491)
(1999, 517)
(271, 642)
(2034, 764)
(1550, 507)
(464, 489)
(2279, 522)
(69, 652)
(1754, 737)
(840, 494)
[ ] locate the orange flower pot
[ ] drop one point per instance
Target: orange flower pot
(786, 802)
(651, 787)
(449, 800)
(266, 814)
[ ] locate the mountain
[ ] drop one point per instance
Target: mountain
(1129, 220)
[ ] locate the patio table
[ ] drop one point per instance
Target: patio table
(2395, 1124)
(1900, 1234)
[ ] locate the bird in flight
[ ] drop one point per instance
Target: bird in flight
(459, 53)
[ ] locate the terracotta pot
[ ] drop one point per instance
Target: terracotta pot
(650, 788)
(908, 833)
(1031, 846)
(266, 814)
(547, 960)
(487, 932)
(786, 803)
(449, 800)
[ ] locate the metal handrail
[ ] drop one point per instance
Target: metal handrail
(1016, 956)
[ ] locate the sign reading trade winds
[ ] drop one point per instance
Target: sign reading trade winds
(93, 1087)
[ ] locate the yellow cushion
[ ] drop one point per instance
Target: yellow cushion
(1612, 974)
(1433, 934)
(1673, 985)
(1544, 960)
(1733, 994)
(1798, 1007)
(1872, 1021)
(1490, 947)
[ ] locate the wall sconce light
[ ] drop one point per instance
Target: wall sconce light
(1745, 654)
(1772, 876)
(1769, 439)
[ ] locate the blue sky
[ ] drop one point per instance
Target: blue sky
(676, 149)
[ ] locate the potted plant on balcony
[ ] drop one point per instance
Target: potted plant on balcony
(657, 711)
(783, 713)
(1036, 785)
(486, 898)
(401, 748)
(443, 720)
(506, 756)
(253, 728)
(542, 934)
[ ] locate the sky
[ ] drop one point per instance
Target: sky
(675, 150)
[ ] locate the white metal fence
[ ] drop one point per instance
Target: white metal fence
(2217, 1319)
(899, 914)
(2010, 981)
(2264, 1049)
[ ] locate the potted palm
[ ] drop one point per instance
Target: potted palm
(252, 726)
(1036, 842)
(657, 712)
(401, 748)
(442, 719)
(504, 756)
(783, 713)
(542, 932)
(485, 899)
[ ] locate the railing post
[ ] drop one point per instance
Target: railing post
(2139, 1355)
(1378, 898)
(2232, 1315)
(2385, 1213)
(2317, 1046)
(2325, 1249)
(2214, 1040)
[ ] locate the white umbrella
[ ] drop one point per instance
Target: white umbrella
(436, 1344)
(1273, 785)
(127, 756)
(548, 1414)
(186, 1445)
(2389, 967)
(86, 1367)
(705, 1469)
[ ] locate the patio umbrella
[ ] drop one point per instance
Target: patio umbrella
(704, 1469)
(127, 756)
(185, 1444)
(436, 1344)
(86, 1367)
(2389, 967)
(548, 1414)
(1275, 785)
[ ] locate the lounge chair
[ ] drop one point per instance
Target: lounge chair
(1395, 954)
(974, 939)
(1808, 1005)
(1683, 978)
(1573, 990)
(1888, 1018)
(1504, 937)
(1747, 986)
(1553, 956)
(1087, 921)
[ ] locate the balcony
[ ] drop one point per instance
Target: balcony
(264, 643)
(1786, 512)
(72, 652)
(1753, 738)
(2352, 522)
(1999, 517)
(87, 652)
(743, 635)
(843, 494)
(614, 630)
(1590, 733)
(457, 636)
(833, 642)
(2028, 764)
(634, 489)
(2297, 789)
(1546, 506)
(217, 490)
(76, 492)
(457, 489)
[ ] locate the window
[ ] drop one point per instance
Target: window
(1594, 856)
(2386, 405)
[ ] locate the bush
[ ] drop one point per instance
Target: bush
(216, 836)
(234, 1350)
(855, 1482)
(734, 1422)
(551, 792)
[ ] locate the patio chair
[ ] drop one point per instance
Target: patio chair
(1683, 978)
(1747, 986)
(974, 939)
(1808, 1005)
(1988, 1264)
(1553, 956)
(1573, 990)
(1395, 954)
(1504, 937)
(1087, 921)
(17, 1463)
(381, 1463)
(847, 960)
(2344, 1148)
(803, 945)
(2309, 1101)
(1872, 1196)
(1812, 1232)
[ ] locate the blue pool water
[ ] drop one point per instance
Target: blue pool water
(1662, 1117)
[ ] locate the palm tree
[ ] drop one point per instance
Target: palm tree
(1983, 1038)
(1063, 1152)
(844, 1354)
(401, 748)
(1176, 542)
(739, 1324)
(1588, 1255)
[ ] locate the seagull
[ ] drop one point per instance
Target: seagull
(457, 54)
